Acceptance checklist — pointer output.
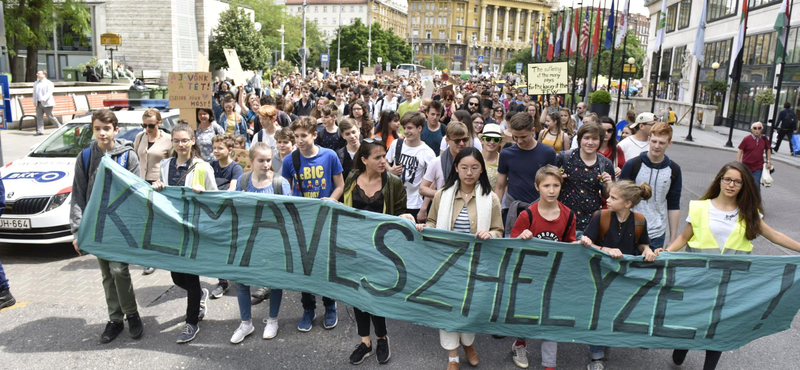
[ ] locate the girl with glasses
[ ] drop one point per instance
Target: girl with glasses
(725, 221)
(608, 146)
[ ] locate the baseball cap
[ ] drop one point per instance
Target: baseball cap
(643, 118)
(492, 130)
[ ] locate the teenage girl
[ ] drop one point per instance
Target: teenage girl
(387, 127)
(554, 136)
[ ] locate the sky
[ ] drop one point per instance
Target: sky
(637, 6)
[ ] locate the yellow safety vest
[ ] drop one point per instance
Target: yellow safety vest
(703, 241)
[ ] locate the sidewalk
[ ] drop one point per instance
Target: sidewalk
(717, 138)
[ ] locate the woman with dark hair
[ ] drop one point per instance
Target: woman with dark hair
(467, 204)
(608, 146)
(231, 121)
(359, 111)
(387, 127)
(207, 128)
(371, 188)
(448, 102)
(553, 135)
(725, 221)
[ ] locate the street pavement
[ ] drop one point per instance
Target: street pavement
(61, 309)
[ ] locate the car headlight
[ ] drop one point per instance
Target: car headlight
(58, 200)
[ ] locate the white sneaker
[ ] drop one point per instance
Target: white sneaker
(272, 329)
(520, 356)
(241, 332)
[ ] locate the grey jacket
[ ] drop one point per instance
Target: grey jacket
(82, 182)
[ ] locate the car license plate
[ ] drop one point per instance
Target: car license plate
(15, 223)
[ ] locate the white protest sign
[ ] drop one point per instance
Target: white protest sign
(548, 78)
(234, 67)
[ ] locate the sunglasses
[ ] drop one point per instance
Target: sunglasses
(610, 131)
(149, 125)
(373, 140)
(489, 139)
(472, 104)
(460, 141)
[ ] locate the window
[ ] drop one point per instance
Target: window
(324, 9)
(324, 20)
(441, 35)
(342, 8)
(427, 35)
(509, 54)
(497, 53)
(759, 49)
(352, 8)
(474, 23)
(685, 13)
(677, 62)
(458, 36)
(360, 8)
(476, 9)
(719, 51)
(415, 34)
(757, 3)
(666, 61)
(718, 9)
(299, 9)
(316, 9)
(672, 16)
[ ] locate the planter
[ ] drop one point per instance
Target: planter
(600, 108)
(718, 120)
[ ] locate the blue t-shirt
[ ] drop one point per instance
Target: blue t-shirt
(316, 174)
(520, 166)
(432, 138)
(620, 126)
(224, 175)
(286, 188)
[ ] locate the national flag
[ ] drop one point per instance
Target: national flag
(585, 34)
(622, 25)
(661, 26)
(700, 38)
(559, 39)
(610, 28)
(550, 43)
(738, 49)
(780, 25)
(596, 37)
(576, 29)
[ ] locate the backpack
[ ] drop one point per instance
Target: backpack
(296, 165)
(398, 151)
(637, 165)
(789, 121)
(277, 184)
(605, 222)
(600, 160)
(86, 156)
(566, 230)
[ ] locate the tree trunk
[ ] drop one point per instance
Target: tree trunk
(13, 44)
(32, 62)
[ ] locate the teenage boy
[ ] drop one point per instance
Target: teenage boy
(439, 168)
(340, 104)
(226, 173)
(637, 143)
(517, 166)
(664, 176)
(408, 158)
(284, 140)
(117, 285)
(433, 131)
(546, 219)
(303, 106)
(328, 133)
(318, 175)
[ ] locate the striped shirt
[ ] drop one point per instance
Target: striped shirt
(462, 221)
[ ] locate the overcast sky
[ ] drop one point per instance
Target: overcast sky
(637, 6)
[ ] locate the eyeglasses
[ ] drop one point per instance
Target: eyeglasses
(490, 139)
(149, 125)
(758, 128)
(462, 140)
(728, 181)
(374, 140)
(472, 104)
(610, 131)
(182, 142)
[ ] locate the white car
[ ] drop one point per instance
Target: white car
(38, 186)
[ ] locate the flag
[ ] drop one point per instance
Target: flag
(576, 24)
(585, 35)
(661, 26)
(780, 25)
(596, 36)
(738, 48)
(559, 38)
(541, 41)
(550, 43)
(622, 27)
(700, 38)
(610, 28)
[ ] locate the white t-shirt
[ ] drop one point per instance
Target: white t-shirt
(267, 139)
(476, 143)
(632, 148)
(721, 223)
(414, 160)
(434, 172)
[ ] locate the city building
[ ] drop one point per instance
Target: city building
(329, 14)
(163, 35)
(678, 67)
(639, 25)
(465, 32)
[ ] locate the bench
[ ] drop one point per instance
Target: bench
(96, 100)
(65, 106)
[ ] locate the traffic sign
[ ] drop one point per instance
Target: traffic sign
(324, 58)
(380, 60)
(480, 58)
(519, 67)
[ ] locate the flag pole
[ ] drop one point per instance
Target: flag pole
(611, 61)
(694, 99)
(600, 52)
(783, 65)
(622, 70)
(655, 84)
(735, 93)
(588, 59)
(576, 52)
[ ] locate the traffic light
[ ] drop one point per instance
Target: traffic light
(480, 68)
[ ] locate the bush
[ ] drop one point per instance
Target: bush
(284, 67)
(600, 97)
(765, 97)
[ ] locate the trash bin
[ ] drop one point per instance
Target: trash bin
(70, 74)
(138, 90)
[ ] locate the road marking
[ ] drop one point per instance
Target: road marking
(15, 306)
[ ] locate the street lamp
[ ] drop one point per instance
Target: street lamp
(631, 62)
(715, 67)
(282, 31)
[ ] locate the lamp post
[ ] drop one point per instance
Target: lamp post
(715, 67)
(369, 36)
(631, 62)
(282, 31)
(339, 40)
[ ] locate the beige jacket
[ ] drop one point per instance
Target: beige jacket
(149, 159)
(496, 230)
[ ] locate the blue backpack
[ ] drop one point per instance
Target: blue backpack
(86, 155)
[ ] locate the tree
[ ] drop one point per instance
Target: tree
(438, 63)
(236, 31)
(284, 67)
(30, 25)
(385, 44)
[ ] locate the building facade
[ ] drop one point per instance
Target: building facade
(330, 14)
(677, 70)
(472, 33)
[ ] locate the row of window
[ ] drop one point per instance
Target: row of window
(316, 8)
(679, 14)
(459, 51)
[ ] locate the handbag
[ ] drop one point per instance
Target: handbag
(766, 178)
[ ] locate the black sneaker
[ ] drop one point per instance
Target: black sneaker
(6, 299)
(360, 354)
(220, 289)
(112, 330)
(260, 295)
(135, 325)
(383, 352)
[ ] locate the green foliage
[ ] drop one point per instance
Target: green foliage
(236, 31)
(600, 97)
(385, 44)
(716, 88)
(438, 62)
(765, 97)
(30, 24)
(284, 67)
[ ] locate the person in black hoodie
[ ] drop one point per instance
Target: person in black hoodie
(350, 133)
(788, 125)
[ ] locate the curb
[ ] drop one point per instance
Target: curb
(781, 159)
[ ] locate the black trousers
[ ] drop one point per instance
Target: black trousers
(712, 358)
(362, 323)
(781, 133)
(190, 283)
(309, 301)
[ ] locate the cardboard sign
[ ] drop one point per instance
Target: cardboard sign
(242, 157)
(202, 63)
(445, 89)
(234, 67)
(548, 78)
(190, 89)
(402, 72)
(428, 89)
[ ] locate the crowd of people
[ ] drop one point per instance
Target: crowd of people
(470, 156)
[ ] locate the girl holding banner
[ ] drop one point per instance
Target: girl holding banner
(465, 204)
(725, 220)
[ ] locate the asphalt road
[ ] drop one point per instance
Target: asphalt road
(62, 312)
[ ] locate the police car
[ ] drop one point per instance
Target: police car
(38, 186)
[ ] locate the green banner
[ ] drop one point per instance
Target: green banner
(381, 264)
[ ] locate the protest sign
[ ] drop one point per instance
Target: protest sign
(401, 72)
(428, 92)
(189, 91)
(442, 279)
(548, 78)
(447, 89)
(202, 63)
(242, 157)
(234, 67)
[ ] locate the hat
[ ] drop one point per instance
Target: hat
(492, 130)
(643, 118)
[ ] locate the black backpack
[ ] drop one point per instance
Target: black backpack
(789, 121)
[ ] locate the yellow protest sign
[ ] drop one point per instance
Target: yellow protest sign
(548, 78)
(190, 89)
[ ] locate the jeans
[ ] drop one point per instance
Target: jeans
(309, 301)
(658, 242)
(757, 177)
(40, 112)
(3, 280)
(118, 289)
(598, 352)
(362, 323)
(191, 283)
(245, 307)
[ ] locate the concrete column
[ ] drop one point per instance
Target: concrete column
(494, 24)
(528, 27)
(517, 25)
(505, 23)
(482, 22)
